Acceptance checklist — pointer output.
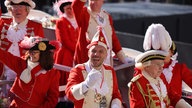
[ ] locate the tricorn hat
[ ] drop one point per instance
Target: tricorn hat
(150, 55)
(20, 2)
(36, 43)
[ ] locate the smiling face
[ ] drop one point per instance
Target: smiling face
(19, 12)
(155, 68)
(97, 54)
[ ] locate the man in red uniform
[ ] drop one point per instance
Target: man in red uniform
(94, 84)
(89, 19)
(14, 29)
(157, 37)
(149, 89)
(66, 33)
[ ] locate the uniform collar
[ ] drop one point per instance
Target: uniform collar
(22, 24)
(149, 78)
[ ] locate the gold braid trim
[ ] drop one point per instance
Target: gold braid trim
(151, 101)
(143, 94)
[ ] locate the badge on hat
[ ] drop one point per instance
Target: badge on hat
(98, 39)
(36, 43)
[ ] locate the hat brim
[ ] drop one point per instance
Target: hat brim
(151, 55)
(97, 43)
(42, 46)
(20, 2)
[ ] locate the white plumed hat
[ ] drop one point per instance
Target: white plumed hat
(157, 38)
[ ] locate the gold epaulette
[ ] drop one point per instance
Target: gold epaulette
(135, 78)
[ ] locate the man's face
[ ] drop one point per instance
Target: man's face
(19, 12)
(97, 54)
(155, 69)
(96, 5)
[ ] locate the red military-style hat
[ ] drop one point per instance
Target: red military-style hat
(98, 39)
(36, 43)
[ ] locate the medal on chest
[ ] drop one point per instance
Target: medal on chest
(101, 19)
(97, 97)
(101, 100)
(16, 29)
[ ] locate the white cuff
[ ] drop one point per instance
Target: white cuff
(85, 88)
(116, 103)
(77, 91)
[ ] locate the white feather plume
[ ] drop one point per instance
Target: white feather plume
(29, 42)
(157, 38)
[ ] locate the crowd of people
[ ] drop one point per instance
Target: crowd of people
(85, 40)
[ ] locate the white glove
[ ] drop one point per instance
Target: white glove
(129, 60)
(92, 78)
(115, 106)
(116, 103)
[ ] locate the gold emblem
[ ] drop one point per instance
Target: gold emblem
(98, 97)
(42, 46)
(16, 29)
(102, 39)
(101, 100)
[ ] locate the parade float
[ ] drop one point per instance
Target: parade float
(124, 72)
